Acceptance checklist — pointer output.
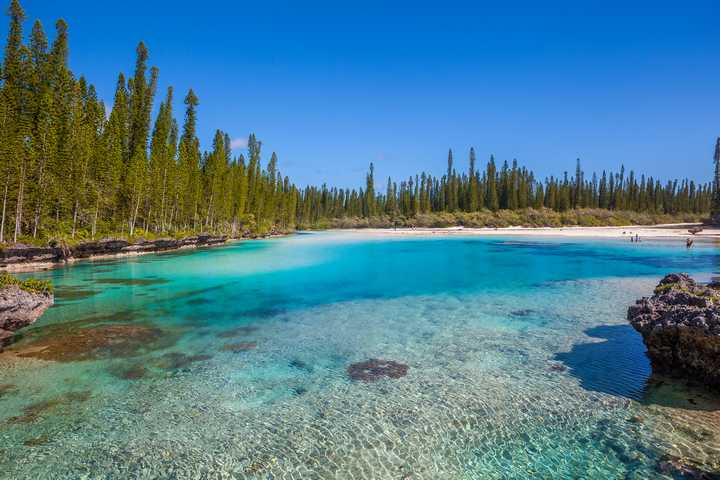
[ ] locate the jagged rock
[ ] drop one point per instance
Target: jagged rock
(680, 325)
(20, 308)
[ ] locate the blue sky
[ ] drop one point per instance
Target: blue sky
(334, 86)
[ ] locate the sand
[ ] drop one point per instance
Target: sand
(669, 231)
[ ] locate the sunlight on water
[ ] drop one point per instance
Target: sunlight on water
(512, 357)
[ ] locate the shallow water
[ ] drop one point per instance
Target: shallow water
(232, 362)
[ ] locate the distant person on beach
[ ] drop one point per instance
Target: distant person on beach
(688, 243)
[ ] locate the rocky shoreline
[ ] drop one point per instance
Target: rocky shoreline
(25, 257)
(680, 325)
(20, 308)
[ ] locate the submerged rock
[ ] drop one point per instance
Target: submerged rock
(178, 361)
(374, 369)
(103, 342)
(677, 468)
(20, 308)
(38, 410)
(237, 332)
(6, 388)
(239, 347)
(131, 372)
(680, 325)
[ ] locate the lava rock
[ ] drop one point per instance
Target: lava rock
(680, 325)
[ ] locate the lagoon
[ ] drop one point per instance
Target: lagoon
(232, 362)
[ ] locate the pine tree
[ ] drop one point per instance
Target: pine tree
(493, 202)
(189, 164)
(473, 190)
(715, 209)
(370, 192)
(13, 121)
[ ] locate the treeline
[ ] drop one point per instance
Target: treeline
(508, 187)
(68, 167)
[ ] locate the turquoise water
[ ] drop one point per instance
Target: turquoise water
(232, 362)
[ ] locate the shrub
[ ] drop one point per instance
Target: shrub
(32, 285)
(530, 217)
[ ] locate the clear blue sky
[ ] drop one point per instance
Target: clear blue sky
(333, 86)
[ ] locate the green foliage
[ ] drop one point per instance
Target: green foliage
(505, 218)
(31, 285)
(70, 172)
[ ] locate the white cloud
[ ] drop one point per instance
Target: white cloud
(238, 143)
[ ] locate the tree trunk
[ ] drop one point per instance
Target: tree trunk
(19, 203)
(133, 217)
(75, 213)
(41, 191)
(95, 217)
(2, 222)
(162, 203)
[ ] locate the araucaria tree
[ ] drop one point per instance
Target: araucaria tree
(69, 168)
(715, 212)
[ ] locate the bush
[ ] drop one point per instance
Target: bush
(530, 217)
(32, 285)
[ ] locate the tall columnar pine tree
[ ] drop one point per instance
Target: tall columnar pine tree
(715, 209)
(69, 168)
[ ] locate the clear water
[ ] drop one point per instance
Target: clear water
(520, 364)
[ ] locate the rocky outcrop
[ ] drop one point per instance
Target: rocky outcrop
(19, 308)
(19, 254)
(680, 325)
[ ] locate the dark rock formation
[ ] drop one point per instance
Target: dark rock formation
(19, 308)
(680, 325)
(374, 369)
(18, 254)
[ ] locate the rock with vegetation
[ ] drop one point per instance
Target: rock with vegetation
(680, 325)
(21, 303)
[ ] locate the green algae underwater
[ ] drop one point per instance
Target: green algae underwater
(332, 355)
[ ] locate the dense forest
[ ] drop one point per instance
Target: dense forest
(508, 187)
(72, 170)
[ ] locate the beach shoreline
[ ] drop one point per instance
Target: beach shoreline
(663, 231)
(643, 232)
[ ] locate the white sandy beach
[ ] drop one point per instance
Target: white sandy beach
(669, 231)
